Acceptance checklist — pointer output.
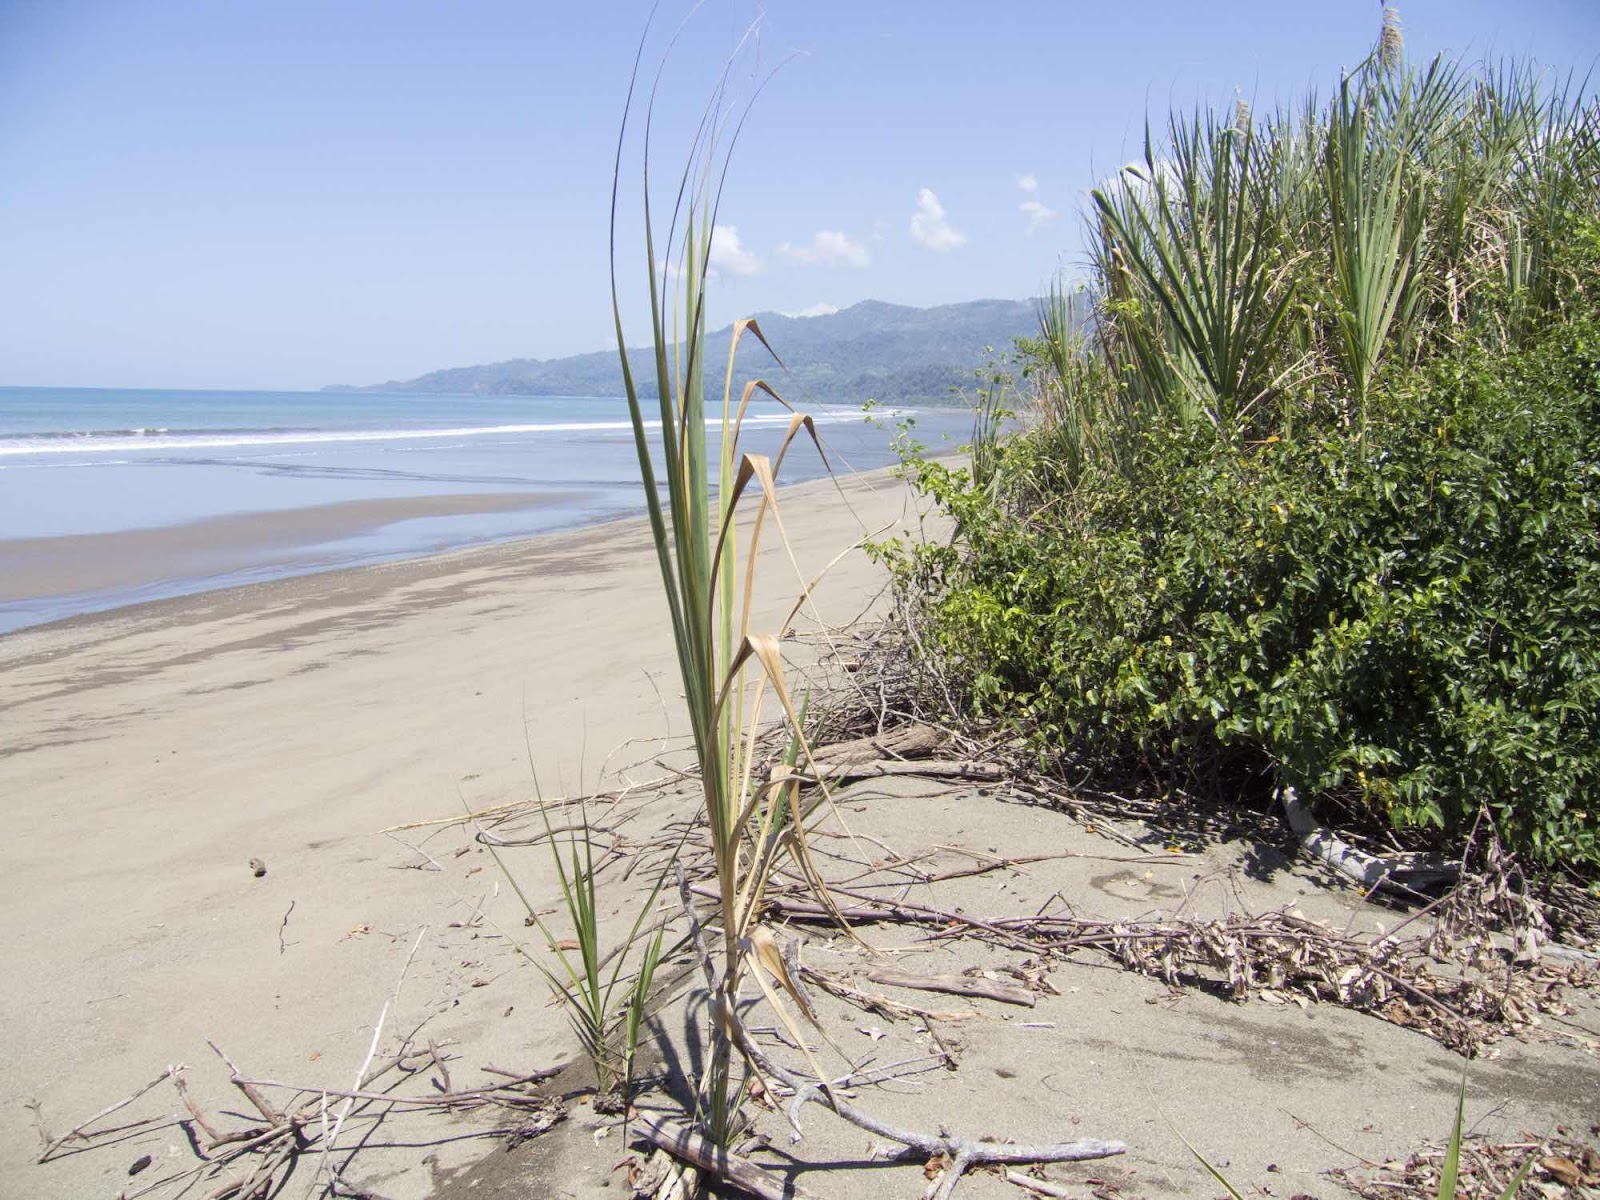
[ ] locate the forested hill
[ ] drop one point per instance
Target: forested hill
(872, 350)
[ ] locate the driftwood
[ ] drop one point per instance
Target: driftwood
(662, 1177)
(682, 1142)
(253, 1161)
(955, 985)
(1370, 871)
(903, 743)
(1039, 1187)
(892, 1010)
(1277, 955)
(905, 750)
(79, 1131)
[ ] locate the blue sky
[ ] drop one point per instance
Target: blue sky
(288, 193)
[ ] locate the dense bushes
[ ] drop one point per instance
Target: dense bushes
(1410, 619)
(1309, 493)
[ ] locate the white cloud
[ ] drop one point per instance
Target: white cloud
(1038, 215)
(728, 256)
(930, 227)
(830, 248)
(1028, 183)
(820, 309)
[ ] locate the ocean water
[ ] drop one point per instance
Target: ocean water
(84, 466)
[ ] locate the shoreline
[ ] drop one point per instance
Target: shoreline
(90, 576)
(152, 521)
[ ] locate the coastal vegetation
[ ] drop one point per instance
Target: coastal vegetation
(1307, 501)
(1312, 500)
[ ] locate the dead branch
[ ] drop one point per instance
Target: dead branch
(469, 1098)
(682, 1142)
(257, 1100)
(1483, 990)
(892, 1010)
(904, 743)
(182, 1085)
(977, 772)
(1038, 1186)
(1406, 876)
(252, 1161)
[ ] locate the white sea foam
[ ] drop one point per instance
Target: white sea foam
(157, 441)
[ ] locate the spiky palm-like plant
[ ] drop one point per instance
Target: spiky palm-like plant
(695, 485)
(1188, 234)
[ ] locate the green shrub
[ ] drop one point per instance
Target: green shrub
(1409, 619)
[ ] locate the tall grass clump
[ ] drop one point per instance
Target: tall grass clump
(1250, 266)
(1311, 496)
(698, 482)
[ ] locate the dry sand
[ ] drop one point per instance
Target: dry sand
(149, 754)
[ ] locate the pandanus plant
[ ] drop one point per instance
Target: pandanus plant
(697, 480)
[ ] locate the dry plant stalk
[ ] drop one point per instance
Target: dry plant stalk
(1557, 1165)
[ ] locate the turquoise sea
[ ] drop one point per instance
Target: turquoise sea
(84, 466)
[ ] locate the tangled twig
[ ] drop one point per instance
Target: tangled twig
(253, 1160)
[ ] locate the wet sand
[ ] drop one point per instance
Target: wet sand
(80, 567)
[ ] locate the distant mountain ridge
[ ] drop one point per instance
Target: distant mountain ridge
(872, 350)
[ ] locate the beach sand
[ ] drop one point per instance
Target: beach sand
(149, 754)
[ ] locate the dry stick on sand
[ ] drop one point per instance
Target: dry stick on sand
(961, 1152)
(77, 1131)
(253, 1160)
(273, 1116)
(1387, 977)
(327, 1167)
(467, 1097)
(283, 928)
(194, 1109)
(955, 985)
(847, 772)
(1038, 1186)
(892, 1010)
